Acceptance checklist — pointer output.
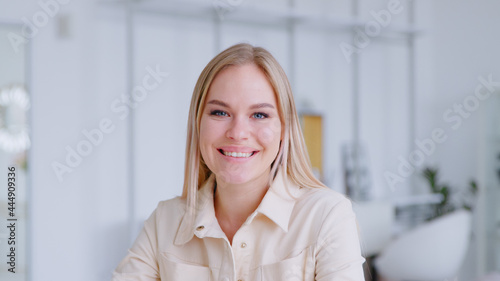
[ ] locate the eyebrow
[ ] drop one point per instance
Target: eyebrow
(255, 106)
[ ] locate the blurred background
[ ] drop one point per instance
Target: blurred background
(399, 102)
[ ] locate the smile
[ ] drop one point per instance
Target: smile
(237, 154)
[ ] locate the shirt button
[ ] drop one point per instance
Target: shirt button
(201, 227)
(240, 279)
(243, 245)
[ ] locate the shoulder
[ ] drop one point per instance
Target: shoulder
(176, 204)
(324, 203)
(165, 220)
(173, 202)
(325, 197)
(320, 213)
(170, 210)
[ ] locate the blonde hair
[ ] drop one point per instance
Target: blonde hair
(292, 157)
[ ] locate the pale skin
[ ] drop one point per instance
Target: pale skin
(240, 134)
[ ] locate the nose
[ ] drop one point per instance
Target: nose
(239, 129)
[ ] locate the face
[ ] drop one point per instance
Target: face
(240, 129)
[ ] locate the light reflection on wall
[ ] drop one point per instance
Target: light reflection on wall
(14, 104)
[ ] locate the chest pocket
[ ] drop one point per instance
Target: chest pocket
(172, 269)
(297, 268)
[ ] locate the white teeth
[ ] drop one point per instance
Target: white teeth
(238, 154)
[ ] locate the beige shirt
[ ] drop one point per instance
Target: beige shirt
(295, 234)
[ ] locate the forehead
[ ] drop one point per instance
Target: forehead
(243, 83)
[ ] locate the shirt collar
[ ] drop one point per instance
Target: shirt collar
(201, 220)
(277, 205)
(279, 201)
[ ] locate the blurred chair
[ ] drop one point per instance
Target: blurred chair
(432, 251)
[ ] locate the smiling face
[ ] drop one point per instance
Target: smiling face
(240, 128)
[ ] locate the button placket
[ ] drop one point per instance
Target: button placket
(242, 252)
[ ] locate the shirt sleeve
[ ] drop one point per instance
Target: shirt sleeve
(140, 264)
(338, 252)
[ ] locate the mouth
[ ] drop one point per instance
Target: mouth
(237, 154)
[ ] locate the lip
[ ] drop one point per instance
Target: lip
(238, 149)
(242, 149)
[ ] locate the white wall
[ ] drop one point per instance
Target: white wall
(79, 225)
(458, 46)
(464, 49)
(75, 223)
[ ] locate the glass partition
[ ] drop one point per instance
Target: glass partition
(14, 144)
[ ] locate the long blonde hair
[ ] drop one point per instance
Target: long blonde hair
(292, 157)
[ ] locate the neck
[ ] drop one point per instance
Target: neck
(233, 203)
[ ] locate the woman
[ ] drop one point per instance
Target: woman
(251, 208)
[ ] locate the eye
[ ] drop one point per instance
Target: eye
(218, 113)
(260, 115)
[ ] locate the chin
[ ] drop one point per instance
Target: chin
(233, 178)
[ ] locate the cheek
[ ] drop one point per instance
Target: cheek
(211, 133)
(266, 136)
(205, 138)
(207, 130)
(270, 134)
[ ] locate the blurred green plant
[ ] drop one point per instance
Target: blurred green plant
(464, 198)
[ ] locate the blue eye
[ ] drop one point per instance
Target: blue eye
(218, 113)
(260, 115)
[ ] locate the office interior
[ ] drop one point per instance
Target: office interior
(399, 102)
